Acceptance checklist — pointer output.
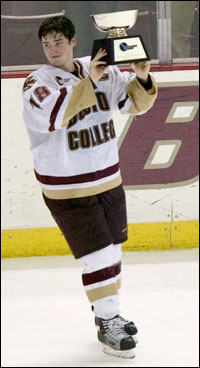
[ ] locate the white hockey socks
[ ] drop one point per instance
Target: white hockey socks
(101, 279)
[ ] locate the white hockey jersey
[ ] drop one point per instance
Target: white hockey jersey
(71, 130)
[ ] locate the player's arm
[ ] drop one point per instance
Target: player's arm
(83, 95)
(47, 109)
(142, 90)
(134, 94)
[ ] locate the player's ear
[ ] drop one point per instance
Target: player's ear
(73, 41)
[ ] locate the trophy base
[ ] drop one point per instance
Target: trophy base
(121, 50)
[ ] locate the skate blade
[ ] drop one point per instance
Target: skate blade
(128, 354)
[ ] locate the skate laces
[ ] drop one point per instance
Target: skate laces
(113, 330)
(121, 321)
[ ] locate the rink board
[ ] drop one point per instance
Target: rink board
(143, 236)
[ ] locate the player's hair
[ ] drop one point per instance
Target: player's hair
(59, 24)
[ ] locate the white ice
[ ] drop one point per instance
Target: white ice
(47, 320)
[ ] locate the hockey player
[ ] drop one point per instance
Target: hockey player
(68, 107)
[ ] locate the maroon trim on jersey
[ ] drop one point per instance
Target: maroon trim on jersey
(77, 179)
(122, 103)
(101, 275)
(56, 108)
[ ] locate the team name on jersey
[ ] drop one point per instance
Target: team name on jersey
(94, 136)
(102, 104)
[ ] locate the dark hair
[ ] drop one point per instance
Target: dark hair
(59, 24)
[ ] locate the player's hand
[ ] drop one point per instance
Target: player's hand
(141, 68)
(97, 66)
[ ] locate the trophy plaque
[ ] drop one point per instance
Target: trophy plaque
(121, 48)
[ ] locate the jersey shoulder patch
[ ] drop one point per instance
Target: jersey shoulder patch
(28, 83)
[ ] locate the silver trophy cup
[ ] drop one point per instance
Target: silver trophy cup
(121, 48)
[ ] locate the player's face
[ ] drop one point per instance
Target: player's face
(58, 49)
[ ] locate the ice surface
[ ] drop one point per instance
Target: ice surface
(47, 320)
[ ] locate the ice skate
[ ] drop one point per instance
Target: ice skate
(114, 339)
(128, 326)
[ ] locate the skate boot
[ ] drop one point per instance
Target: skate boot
(128, 326)
(114, 339)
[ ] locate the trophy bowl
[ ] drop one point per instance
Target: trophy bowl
(121, 48)
(123, 19)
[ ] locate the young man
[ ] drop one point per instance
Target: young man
(68, 108)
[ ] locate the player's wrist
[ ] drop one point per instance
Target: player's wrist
(143, 79)
(146, 83)
(92, 81)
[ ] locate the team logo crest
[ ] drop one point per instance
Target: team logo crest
(28, 83)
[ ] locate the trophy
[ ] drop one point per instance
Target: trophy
(121, 48)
